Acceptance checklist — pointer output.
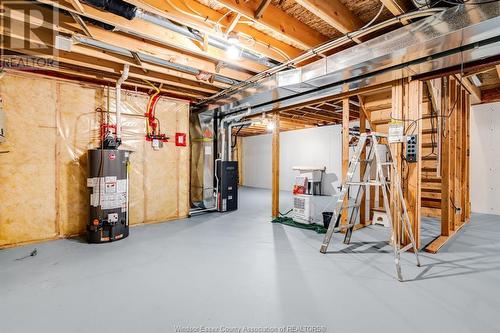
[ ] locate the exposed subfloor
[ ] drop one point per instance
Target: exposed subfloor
(239, 270)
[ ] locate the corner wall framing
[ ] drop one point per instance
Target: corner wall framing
(454, 198)
(50, 126)
(437, 185)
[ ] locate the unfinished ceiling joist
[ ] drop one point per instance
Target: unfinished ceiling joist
(334, 13)
(277, 21)
(204, 18)
(133, 44)
(154, 33)
(396, 7)
(410, 49)
(262, 7)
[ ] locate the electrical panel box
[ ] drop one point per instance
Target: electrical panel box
(227, 175)
(411, 149)
(2, 122)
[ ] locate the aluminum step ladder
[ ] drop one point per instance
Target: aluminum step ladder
(402, 224)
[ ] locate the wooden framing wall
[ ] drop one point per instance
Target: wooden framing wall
(276, 167)
(437, 185)
(454, 171)
(50, 126)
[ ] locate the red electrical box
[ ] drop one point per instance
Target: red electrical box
(180, 139)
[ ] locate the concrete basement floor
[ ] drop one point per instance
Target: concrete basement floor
(237, 270)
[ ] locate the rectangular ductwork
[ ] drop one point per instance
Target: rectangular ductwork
(457, 35)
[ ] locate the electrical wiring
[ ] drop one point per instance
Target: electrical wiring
(233, 144)
(194, 13)
(369, 24)
(151, 120)
(453, 3)
(311, 53)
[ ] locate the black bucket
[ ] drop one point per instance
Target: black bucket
(327, 217)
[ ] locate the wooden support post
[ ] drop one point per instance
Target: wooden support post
(467, 177)
(413, 195)
(345, 153)
(448, 163)
(464, 157)
(396, 113)
(457, 199)
(455, 163)
(452, 109)
(362, 130)
(239, 158)
(276, 167)
(58, 121)
(447, 211)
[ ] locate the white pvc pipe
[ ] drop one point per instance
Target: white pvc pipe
(119, 101)
(230, 131)
(225, 120)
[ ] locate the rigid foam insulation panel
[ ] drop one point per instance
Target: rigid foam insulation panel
(52, 124)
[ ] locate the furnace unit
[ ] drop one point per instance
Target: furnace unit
(108, 191)
(227, 185)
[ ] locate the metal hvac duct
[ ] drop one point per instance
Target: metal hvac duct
(461, 34)
(149, 58)
(457, 35)
(130, 12)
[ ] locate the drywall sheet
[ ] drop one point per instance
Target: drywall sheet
(27, 166)
(313, 147)
(71, 114)
(485, 158)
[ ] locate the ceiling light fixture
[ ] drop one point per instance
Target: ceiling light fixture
(270, 126)
(476, 80)
(233, 38)
(233, 52)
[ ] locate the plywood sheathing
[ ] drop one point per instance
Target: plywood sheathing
(223, 10)
(50, 127)
(294, 9)
(364, 9)
(367, 9)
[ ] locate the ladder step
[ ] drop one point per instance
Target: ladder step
(347, 226)
(364, 183)
(406, 248)
(431, 180)
(350, 206)
(431, 190)
(429, 131)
